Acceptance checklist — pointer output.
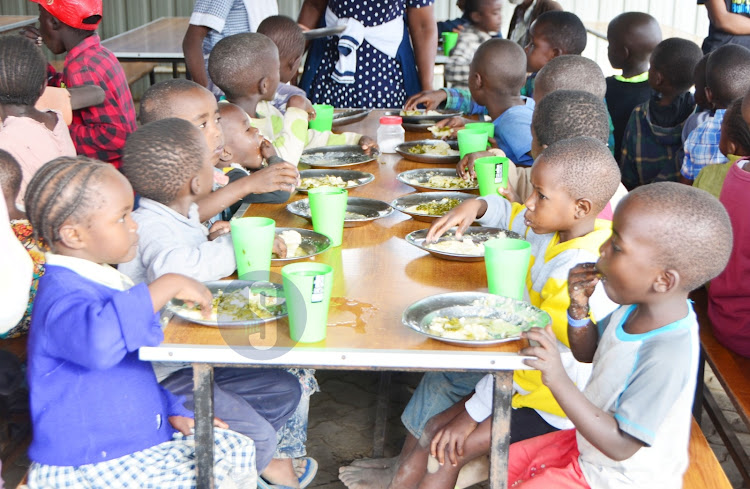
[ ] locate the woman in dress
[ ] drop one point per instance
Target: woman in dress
(371, 63)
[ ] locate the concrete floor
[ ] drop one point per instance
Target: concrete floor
(342, 418)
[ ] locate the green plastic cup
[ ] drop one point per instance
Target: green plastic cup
(323, 117)
(492, 173)
(507, 263)
(471, 141)
(252, 238)
(449, 42)
(307, 288)
(328, 210)
(486, 126)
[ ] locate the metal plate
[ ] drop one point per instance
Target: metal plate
(419, 179)
(478, 234)
(462, 304)
(405, 201)
(225, 321)
(349, 116)
(370, 209)
(403, 150)
(361, 177)
(336, 156)
(323, 32)
(418, 119)
(312, 243)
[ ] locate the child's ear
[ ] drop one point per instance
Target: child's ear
(226, 155)
(667, 281)
(709, 96)
(263, 85)
(70, 237)
(658, 80)
(475, 17)
(195, 185)
(583, 208)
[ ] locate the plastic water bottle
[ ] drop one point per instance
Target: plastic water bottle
(390, 133)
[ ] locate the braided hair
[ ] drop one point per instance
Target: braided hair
(23, 71)
(61, 190)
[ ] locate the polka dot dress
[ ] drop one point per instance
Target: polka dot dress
(379, 80)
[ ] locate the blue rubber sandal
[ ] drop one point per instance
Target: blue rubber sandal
(311, 469)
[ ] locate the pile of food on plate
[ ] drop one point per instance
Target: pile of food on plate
(239, 305)
(473, 328)
(292, 240)
(440, 148)
(326, 181)
(434, 207)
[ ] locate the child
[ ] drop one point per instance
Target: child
(240, 66)
(213, 20)
(570, 72)
(632, 36)
(246, 151)
(702, 108)
(31, 136)
(167, 163)
(652, 143)
(485, 17)
(453, 25)
(729, 293)
(69, 27)
(187, 100)
(287, 35)
(727, 78)
(552, 34)
(88, 323)
(573, 181)
(734, 144)
(496, 76)
(633, 418)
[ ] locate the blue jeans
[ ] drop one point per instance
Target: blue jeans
(292, 437)
(254, 402)
(436, 392)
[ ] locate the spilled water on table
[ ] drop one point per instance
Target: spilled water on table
(350, 313)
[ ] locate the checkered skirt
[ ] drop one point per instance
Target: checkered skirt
(169, 465)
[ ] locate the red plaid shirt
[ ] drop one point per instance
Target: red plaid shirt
(99, 131)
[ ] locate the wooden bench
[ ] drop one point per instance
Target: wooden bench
(134, 70)
(733, 373)
(704, 471)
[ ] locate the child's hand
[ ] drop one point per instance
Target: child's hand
(302, 103)
(194, 293)
(509, 193)
(31, 32)
(267, 149)
(279, 247)
(452, 437)
(547, 355)
(185, 425)
(465, 167)
(456, 123)
(219, 228)
(462, 216)
(368, 144)
(279, 176)
(582, 280)
(431, 99)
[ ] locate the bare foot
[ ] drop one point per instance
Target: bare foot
(375, 463)
(476, 471)
(355, 477)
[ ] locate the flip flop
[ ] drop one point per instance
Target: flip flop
(311, 469)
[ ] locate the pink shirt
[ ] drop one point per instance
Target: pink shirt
(33, 145)
(729, 293)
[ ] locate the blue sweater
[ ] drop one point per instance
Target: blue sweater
(92, 399)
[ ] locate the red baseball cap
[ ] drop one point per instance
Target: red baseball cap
(74, 12)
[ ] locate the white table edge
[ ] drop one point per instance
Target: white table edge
(338, 358)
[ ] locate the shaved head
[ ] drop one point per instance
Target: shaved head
(501, 64)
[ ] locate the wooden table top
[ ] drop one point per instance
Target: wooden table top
(377, 275)
(10, 22)
(159, 40)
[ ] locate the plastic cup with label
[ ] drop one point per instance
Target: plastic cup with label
(492, 173)
(307, 289)
(390, 133)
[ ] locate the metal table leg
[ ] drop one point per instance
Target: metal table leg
(381, 415)
(500, 429)
(203, 389)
